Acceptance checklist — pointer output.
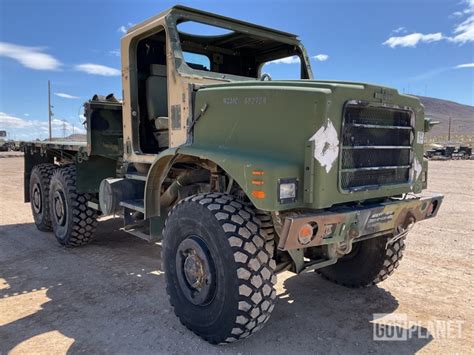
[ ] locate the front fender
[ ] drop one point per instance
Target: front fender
(243, 167)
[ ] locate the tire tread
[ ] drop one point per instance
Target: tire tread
(84, 220)
(45, 172)
(388, 263)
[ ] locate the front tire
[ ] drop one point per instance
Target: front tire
(371, 261)
(73, 221)
(218, 267)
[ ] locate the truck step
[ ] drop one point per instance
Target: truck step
(137, 232)
(135, 205)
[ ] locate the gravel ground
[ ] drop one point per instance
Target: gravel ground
(10, 154)
(109, 297)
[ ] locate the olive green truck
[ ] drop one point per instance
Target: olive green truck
(238, 176)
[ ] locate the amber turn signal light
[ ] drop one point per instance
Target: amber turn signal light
(306, 233)
(258, 194)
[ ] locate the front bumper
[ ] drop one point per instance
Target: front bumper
(395, 216)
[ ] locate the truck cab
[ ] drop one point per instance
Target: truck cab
(163, 67)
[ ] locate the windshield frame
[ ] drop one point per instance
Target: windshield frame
(182, 68)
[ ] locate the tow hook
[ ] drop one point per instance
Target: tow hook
(345, 247)
(402, 230)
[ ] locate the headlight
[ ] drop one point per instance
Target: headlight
(287, 190)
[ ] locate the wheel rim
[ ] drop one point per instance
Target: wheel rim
(196, 271)
(37, 199)
(60, 208)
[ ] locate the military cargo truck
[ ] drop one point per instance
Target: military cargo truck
(4, 143)
(238, 176)
(449, 151)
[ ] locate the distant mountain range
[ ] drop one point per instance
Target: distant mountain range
(462, 116)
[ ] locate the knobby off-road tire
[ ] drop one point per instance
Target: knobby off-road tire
(370, 262)
(39, 195)
(218, 267)
(73, 221)
(266, 223)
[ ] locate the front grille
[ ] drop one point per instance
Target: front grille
(376, 146)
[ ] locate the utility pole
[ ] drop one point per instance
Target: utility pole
(50, 112)
(449, 130)
(64, 128)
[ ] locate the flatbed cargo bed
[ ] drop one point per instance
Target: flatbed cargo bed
(58, 145)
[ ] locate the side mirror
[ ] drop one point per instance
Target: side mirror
(430, 123)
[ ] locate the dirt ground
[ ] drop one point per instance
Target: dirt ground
(109, 297)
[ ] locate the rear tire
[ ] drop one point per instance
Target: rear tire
(218, 267)
(39, 195)
(370, 262)
(73, 221)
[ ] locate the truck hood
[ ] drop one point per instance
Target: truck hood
(291, 124)
(313, 84)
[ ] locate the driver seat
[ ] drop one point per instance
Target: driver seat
(157, 103)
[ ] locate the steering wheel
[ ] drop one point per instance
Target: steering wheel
(265, 76)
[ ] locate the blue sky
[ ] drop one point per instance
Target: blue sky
(417, 46)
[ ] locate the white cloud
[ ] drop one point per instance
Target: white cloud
(296, 60)
(413, 39)
(288, 60)
(66, 96)
(29, 57)
(97, 69)
(124, 28)
(430, 74)
(9, 121)
(115, 52)
(464, 32)
(60, 125)
(438, 71)
(28, 129)
(321, 57)
(400, 30)
(467, 65)
(26, 114)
